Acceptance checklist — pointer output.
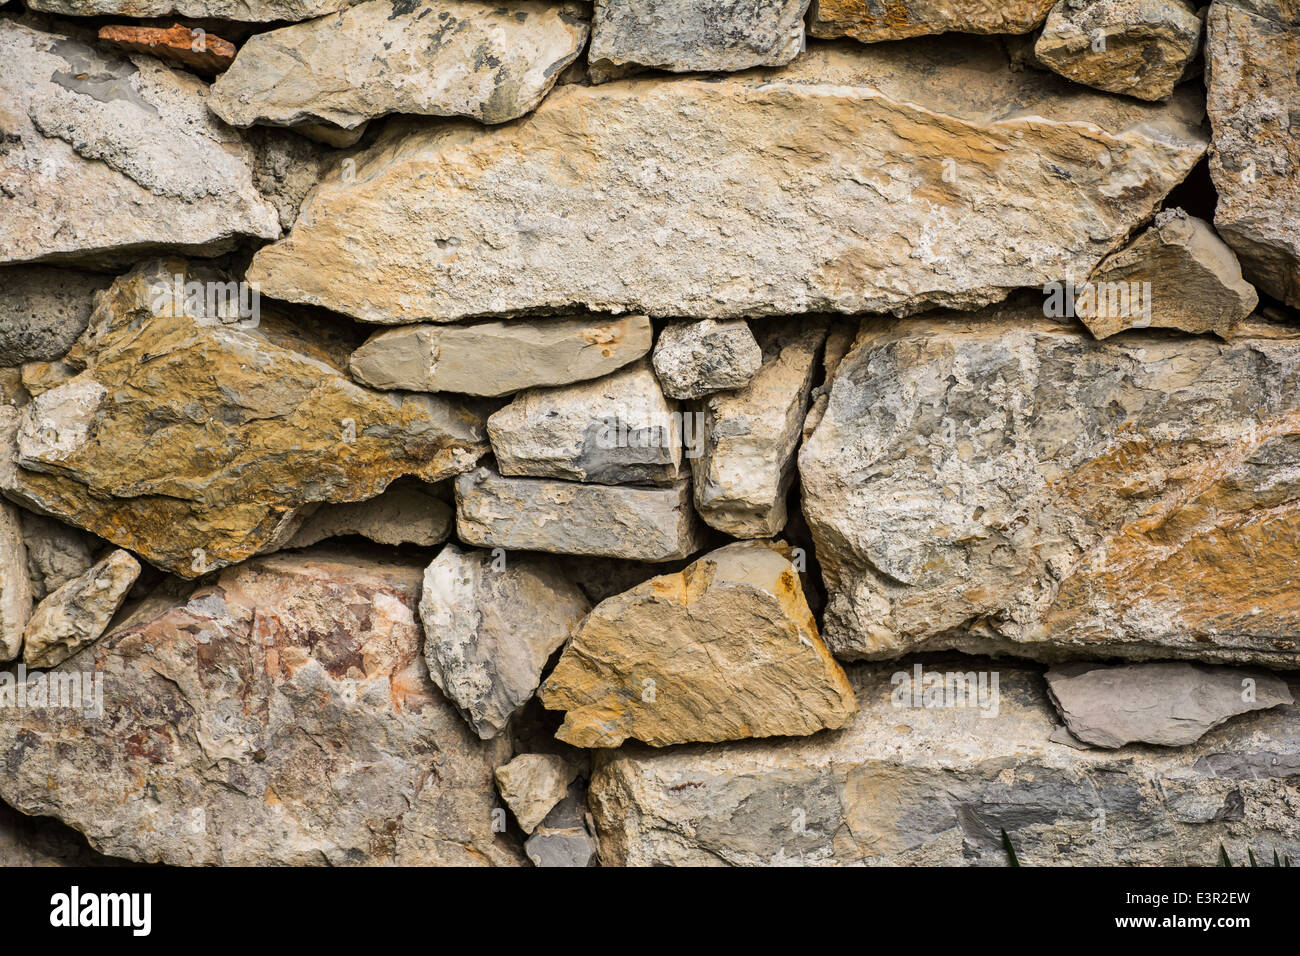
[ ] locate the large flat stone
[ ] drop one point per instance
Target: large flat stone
(254, 11)
(874, 20)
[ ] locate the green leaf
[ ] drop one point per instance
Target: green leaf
(1011, 851)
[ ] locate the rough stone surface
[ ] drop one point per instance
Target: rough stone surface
(40, 841)
(751, 436)
(43, 311)
(56, 553)
(280, 715)
(725, 650)
(1195, 278)
(106, 157)
(1138, 47)
(1008, 484)
(532, 784)
(1170, 704)
(874, 20)
(15, 587)
(914, 786)
(688, 35)
(490, 62)
(252, 11)
(566, 517)
(79, 612)
(616, 430)
(491, 622)
(849, 181)
(694, 359)
(563, 838)
(409, 512)
(1251, 50)
(193, 442)
(497, 358)
(175, 44)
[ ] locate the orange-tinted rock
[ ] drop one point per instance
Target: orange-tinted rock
(196, 49)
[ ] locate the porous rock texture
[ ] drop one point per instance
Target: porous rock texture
(874, 20)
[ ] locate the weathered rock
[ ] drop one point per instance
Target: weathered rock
(1250, 56)
(193, 441)
(194, 49)
(563, 838)
(839, 340)
(566, 517)
(498, 358)
(286, 167)
(873, 20)
(491, 622)
(1009, 484)
(1195, 282)
(693, 359)
(532, 784)
(56, 553)
(15, 588)
(616, 430)
(848, 181)
(688, 35)
(936, 786)
(251, 11)
(280, 715)
(725, 650)
(79, 612)
(106, 157)
(43, 311)
(1138, 47)
(435, 57)
(409, 512)
(1170, 704)
(40, 841)
(750, 436)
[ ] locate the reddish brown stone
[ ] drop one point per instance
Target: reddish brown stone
(176, 44)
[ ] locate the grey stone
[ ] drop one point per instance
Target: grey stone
(693, 359)
(43, 311)
(408, 512)
(532, 784)
(563, 838)
(56, 552)
(255, 11)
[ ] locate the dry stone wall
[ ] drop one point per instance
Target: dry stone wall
(742, 432)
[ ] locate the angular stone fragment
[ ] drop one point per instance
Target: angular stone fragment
(252, 11)
(409, 512)
(693, 359)
(1138, 47)
(563, 838)
(914, 785)
(616, 430)
(750, 436)
(43, 311)
(566, 517)
(15, 587)
(1251, 48)
(498, 358)
(490, 62)
(192, 441)
(1170, 704)
(725, 650)
(56, 553)
(688, 35)
(491, 622)
(78, 613)
(1009, 484)
(849, 181)
(873, 20)
(532, 784)
(107, 157)
(195, 49)
(1195, 282)
(279, 715)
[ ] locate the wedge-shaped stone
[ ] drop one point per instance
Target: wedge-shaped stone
(1177, 275)
(616, 430)
(724, 650)
(532, 784)
(848, 181)
(15, 586)
(750, 436)
(911, 785)
(193, 442)
(79, 612)
(253, 11)
(108, 156)
(490, 62)
(1138, 47)
(563, 838)
(498, 358)
(873, 20)
(1250, 56)
(280, 715)
(1010, 485)
(1170, 704)
(694, 359)
(491, 622)
(409, 512)
(43, 311)
(203, 52)
(567, 517)
(688, 35)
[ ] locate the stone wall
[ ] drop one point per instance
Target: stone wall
(691, 432)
